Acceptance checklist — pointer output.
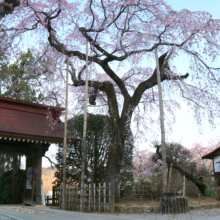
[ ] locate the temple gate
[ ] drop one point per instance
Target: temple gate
(28, 129)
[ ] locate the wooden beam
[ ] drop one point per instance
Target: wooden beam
(38, 168)
(22, 148)
(36, 138)
(11, 149)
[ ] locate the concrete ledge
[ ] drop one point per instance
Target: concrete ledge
(156, 209)
(205, 206)
(136, 209)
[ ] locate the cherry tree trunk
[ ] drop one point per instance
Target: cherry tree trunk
(114, 167)
(115, 159)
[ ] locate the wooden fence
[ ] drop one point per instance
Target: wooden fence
(55, 197)
(141, 192)
(98, 197)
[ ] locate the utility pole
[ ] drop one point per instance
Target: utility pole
(164, 164)
(65, 140)
(82, 190)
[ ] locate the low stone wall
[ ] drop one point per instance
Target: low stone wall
(205, 206)
(136, 209)
(156, 209)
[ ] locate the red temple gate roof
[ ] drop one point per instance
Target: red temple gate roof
(31, 121)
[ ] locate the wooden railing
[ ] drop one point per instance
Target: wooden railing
(141, 192)
(55, 197)
(98, 197)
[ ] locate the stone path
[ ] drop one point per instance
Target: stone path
(25, 209)
(45, 213)
(3, 217)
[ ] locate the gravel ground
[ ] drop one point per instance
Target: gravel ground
(26, 209)
(23, 210)
(194, 214)
(2, 217)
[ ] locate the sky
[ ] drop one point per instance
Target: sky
(185, 130)
(211, 6)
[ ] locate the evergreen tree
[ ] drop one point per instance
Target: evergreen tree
(6, 195)
(97, 150)
(24, 78)
(21, 80)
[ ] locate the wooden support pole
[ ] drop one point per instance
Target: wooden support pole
(65, 141)
(82, 190)
(170, 176)
(162, 125)
(184, 186)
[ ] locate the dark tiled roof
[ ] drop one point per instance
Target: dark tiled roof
(26, 120)
(213, 153)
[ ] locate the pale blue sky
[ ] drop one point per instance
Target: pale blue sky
(211, 6)
(186, 130)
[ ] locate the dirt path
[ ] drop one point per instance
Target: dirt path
(194, 201)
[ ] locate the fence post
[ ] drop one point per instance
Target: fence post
(104, 185)
(67, 198)
(99, 197)
(56, 195)
(69, 192)
(118, 190)
(70, 197)
(77, 198)
(184, 186)
(112, 196)
(61, 196)
(53, 196)
(94, 193)
(90, 196)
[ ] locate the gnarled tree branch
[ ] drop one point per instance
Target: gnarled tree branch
(201, 186)
(152, 81)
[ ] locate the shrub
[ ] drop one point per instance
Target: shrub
(6, 186)
(210, 193)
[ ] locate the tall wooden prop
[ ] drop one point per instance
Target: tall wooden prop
(162, 125)
(184, 186)
(82, 191)
(169, 177)
(169, 204)
(65, 140)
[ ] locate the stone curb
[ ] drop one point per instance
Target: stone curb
(205, 206)
(136, 209)
(126, 209)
